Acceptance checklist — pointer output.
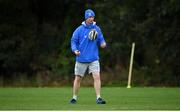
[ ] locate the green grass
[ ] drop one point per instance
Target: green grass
(117, 99)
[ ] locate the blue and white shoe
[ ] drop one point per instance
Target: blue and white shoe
(73, 101)
(100, 101)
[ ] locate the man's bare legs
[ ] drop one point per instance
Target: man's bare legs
(97, 87)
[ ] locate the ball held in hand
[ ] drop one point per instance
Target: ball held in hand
(93, 34)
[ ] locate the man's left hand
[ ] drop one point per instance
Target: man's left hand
(103, 45)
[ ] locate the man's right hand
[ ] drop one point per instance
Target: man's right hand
(77, 52)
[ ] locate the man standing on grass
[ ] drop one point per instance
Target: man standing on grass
(85, 43)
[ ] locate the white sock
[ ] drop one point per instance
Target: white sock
(75, 97)
(98, 96)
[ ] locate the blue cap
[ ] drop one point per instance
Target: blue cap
(89, 13)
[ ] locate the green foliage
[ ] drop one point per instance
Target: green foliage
(153, 26)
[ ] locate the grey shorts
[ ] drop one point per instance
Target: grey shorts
(80, 68)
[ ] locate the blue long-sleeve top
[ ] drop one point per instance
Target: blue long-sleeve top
(89, 49)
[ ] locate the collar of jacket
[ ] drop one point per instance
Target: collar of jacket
(88, 26)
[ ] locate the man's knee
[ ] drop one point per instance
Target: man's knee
(78, 78)
(96, 76)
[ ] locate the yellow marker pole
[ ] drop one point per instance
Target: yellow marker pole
(130, 66)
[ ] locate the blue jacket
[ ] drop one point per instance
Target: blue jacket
(89, 49)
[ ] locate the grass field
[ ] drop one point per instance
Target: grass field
(117, 98)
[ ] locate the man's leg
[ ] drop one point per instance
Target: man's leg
(80, 69)
(97, 87)
(76, 86)
(97, 83)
